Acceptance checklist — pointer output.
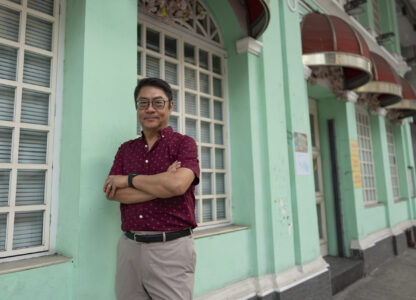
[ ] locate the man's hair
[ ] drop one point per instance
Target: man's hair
(155, 82)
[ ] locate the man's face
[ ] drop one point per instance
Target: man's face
(152, 118)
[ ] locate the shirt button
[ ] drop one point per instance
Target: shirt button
(145, 146)
(141, 217)
(163, 136)
(146, 161)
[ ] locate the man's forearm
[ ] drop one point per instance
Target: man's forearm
(131, 196)
(166, 184)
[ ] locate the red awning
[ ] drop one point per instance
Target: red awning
(385, 84)
(330, 41)
(259, 16)
(406, 107)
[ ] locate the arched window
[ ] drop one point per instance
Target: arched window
(188, 53)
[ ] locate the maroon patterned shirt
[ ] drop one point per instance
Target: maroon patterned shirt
(169, 214)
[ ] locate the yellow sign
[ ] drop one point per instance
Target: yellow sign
(355, 162)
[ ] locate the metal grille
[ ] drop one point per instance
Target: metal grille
(197, 76)
(28, 58)
(365, 148)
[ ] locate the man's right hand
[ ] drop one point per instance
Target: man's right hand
(173, 167)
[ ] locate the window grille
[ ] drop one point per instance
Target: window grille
(28, 58)
(376, 15)
(197, 77)
(365, 148)
(392, 160)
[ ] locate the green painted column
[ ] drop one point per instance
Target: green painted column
(98, 115)
(382, 165)
(388, 20)
(367, 17)
(410, 161)
(292, 90)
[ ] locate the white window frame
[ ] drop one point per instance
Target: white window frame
(366, 155)
(182, 37)
(49, 222)
(394, 173)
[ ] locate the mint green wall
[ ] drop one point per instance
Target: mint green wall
(367, 18)
(98, 114)
(388, 20)
(46, 283)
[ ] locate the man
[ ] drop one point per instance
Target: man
(154, 178)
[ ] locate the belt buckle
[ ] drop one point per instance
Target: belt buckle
(164, 236)
(134, 236)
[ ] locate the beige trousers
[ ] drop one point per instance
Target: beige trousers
(155, 271)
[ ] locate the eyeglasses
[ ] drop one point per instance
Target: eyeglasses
(158, 104)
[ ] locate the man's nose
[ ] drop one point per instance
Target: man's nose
(150, 108)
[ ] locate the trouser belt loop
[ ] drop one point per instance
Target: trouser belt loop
(164, 236)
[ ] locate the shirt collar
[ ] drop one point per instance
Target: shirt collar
(164, 133)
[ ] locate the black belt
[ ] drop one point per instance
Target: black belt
(159, 237)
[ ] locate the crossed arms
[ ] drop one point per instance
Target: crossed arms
(174, 182)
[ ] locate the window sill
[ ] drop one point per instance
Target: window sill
(218, 230)
(374, 204)
(400, 200)
(31, 263)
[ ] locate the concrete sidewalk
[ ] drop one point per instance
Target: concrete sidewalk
(393, 280)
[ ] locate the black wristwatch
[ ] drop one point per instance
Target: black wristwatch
(130, 179)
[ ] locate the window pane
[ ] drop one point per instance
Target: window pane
(206, 158)
(175, 100)
(204, 83)
(4, 187)
(3, 230)
(189, 52)
(32, 146)
(9, 24)
(219, 140)
(171, 73)
(220, 183)
(190, 80)
(218, 110)
(216, 64)
(190, 126)
(205, 132)
(152, 67)
(170, 47)
(38, 33)
(203, 59)
(197, 211)
(30, 188)
(219, 158)
(36, 69)
(190, 104)
(35, 107)
(217, 87)
(28, 229)
(206, 183)
(139, 34)
(8, 62)
(45, 6)
(173, 121)
(152, 40)
(205, 107)
(206, 210)
(6, 103)
(139, 63)
(5, 144)
(221, 214)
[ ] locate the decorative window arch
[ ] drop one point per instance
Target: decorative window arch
(188, 54)
(191, 15)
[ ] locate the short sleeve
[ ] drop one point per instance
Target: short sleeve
(188, 156)
(117, 168)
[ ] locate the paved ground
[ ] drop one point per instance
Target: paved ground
(394, 280)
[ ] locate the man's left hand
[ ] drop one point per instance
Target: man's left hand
(114, 182)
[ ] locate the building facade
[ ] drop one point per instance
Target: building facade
(302, 120)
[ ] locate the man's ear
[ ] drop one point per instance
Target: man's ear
(171, 104)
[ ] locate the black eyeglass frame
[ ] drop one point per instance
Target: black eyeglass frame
(153, 103)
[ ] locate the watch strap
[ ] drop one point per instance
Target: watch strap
(130, 179)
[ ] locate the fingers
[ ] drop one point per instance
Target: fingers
(174, 166)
